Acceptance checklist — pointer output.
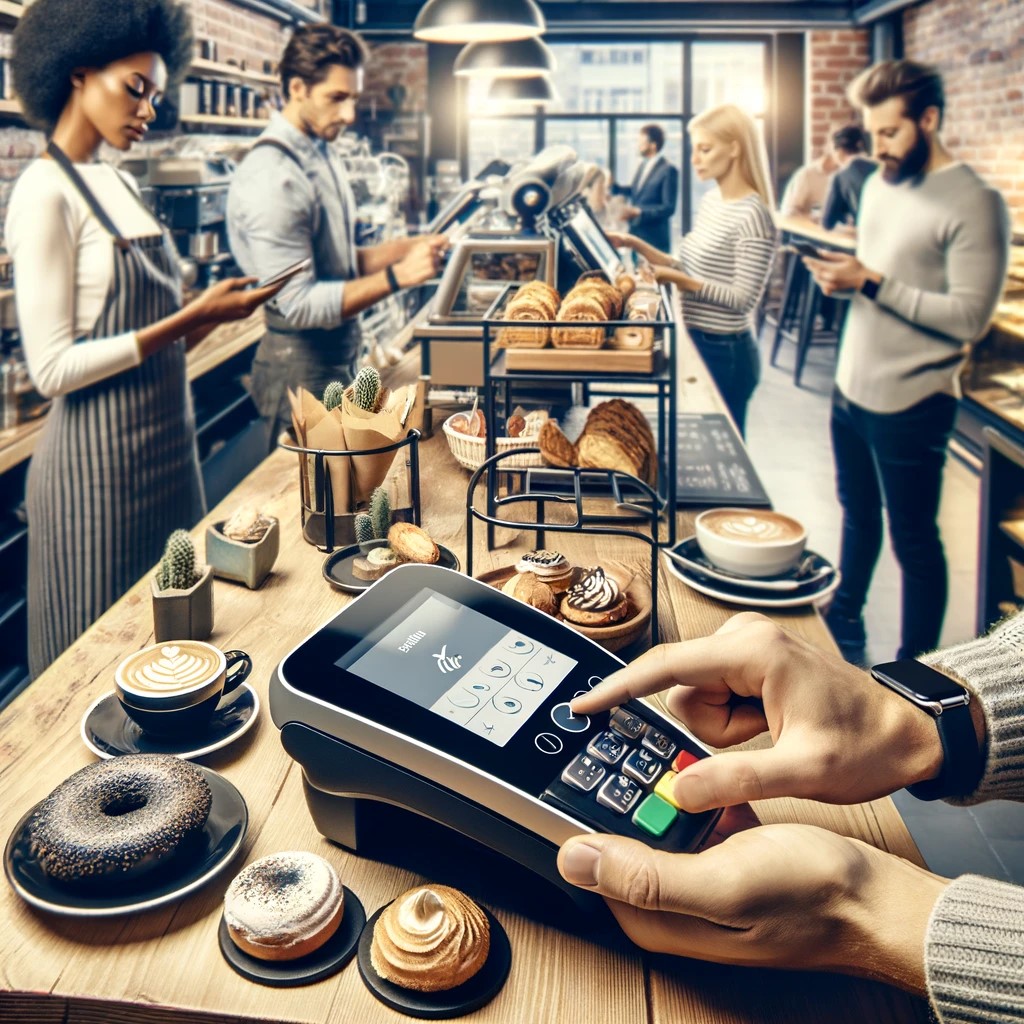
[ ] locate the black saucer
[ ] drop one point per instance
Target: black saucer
(108, 732)
(219, 841)
(338, 566)
(455, 1002)
(330, 958)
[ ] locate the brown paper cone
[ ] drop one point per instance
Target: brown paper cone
(365, 431)
(329, 435)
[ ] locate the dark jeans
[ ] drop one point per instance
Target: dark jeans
(735, 366)
(895, 459)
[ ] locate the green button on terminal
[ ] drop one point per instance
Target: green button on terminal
(655, 816)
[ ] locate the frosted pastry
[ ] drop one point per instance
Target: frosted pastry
(595, 600)
(550, 566)
(284, 906)
(430, 940)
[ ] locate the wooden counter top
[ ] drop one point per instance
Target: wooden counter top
(165, 965)
(18, 443)
(807, 228)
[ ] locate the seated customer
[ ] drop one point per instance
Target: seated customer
(849, 144)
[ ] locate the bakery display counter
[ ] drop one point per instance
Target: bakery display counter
(164, 964)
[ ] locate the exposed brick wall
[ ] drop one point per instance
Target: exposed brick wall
(834, 59)
(397, 63)
(979, 47)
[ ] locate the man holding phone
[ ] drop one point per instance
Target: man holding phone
(290, 201)
(932, 252)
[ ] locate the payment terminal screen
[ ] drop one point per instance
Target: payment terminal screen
(460, 664)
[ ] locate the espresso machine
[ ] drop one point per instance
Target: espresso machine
(189, 194)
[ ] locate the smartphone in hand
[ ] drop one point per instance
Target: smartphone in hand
(802, 248)
(286, 274)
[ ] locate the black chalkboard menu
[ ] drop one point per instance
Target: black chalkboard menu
(713, 467)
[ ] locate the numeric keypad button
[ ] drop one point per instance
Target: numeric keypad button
(619, 793)
(659, 743)
(643, 766)
(583, 773)
(607, 747)
(626, 724)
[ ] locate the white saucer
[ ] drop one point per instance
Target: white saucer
(108, 732)
(746, 598)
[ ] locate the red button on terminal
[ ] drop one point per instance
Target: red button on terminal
(683, 760)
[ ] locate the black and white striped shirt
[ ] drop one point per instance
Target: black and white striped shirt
(730, 249)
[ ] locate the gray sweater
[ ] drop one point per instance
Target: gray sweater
(974, 948)
(941, 243)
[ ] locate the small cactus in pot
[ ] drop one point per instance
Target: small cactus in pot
(182, 593)
(366, 388)
(333, 394)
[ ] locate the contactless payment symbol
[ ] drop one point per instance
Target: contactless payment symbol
(446, 664)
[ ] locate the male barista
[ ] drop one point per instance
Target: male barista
(290, 200)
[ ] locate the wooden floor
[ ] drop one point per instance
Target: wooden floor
(986, 840)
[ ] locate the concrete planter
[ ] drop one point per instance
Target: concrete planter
(243, 562)
(184, 614)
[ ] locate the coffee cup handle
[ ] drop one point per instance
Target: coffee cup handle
(239, 665)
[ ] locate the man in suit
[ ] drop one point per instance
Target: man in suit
(654, 191)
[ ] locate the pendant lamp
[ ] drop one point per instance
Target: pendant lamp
(517, 58)
(532, 91)
(471, 21)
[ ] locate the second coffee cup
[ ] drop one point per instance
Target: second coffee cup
(173, 688)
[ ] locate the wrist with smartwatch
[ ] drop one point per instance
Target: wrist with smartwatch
(949, 704)
(870, 288)
(389, 273)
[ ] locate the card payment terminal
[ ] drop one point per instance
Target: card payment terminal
(439, 694)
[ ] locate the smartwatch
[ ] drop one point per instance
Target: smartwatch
(949, 704)
(389, 273)
(870, 288)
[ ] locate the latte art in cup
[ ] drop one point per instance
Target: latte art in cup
(751, 527)
(171, 668)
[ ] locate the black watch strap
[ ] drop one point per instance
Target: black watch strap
(389, 273)
(948, 703)
(870, 288)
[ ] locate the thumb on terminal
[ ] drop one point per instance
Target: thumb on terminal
(724, 780)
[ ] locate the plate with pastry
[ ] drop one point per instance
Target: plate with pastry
(354, 568)
(606, 603)
(288, 920)
(126, 835)
(434, 953)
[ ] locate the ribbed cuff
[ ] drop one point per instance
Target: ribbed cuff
(992, 668)
(974, 952)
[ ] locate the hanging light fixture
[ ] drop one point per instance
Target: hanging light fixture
(518, 58)
(471, 21)
(529, 91)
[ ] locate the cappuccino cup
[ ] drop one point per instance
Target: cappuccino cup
(750, 542)
(173, 688)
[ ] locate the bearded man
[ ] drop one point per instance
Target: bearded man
(932, 252)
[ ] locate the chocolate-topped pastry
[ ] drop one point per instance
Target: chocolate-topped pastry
(430, 940)
(595, 600)
(550, 566)
(117, 820)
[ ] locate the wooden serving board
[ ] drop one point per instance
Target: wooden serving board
(583, 360)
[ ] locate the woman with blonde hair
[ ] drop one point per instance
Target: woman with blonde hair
(722, 265)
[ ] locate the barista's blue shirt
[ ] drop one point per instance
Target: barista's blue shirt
(280, 212)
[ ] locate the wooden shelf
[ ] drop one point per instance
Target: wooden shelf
(216, 69)
(18, 443)
(10, 11)
(218, 121)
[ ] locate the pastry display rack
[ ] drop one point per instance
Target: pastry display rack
(322, 525)
(600, 523)
(595, 374)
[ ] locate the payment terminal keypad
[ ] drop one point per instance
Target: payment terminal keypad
(623, 782)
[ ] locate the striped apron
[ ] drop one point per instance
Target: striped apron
(116, 469)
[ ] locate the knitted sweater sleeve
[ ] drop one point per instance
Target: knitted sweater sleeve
(974, 946)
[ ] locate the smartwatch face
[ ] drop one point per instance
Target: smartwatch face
(918, 682)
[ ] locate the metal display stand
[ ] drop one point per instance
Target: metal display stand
(591, 523)
(322, 525)
(500, 382)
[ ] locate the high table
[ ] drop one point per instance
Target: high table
(164, 965)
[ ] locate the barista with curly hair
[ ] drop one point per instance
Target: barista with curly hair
(99, 304)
